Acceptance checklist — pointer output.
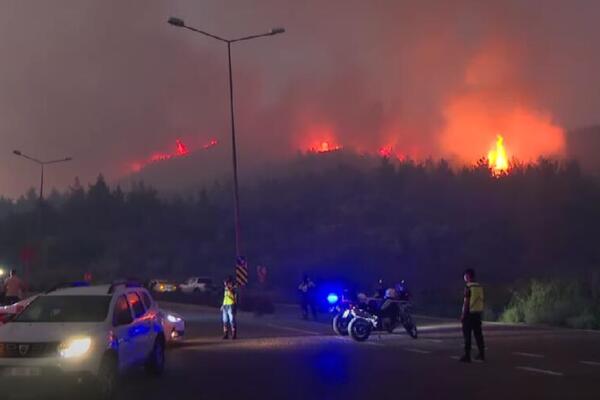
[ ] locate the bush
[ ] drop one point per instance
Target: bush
(554, 302)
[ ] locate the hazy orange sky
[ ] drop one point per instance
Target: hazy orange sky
(109, 82)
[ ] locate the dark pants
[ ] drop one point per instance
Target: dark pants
(472, 324)
(307, 302)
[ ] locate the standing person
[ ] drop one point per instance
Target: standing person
(14, 288)
(380, 288)
(471, 316)
(307, 297)
(229, 308)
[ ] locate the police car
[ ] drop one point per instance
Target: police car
(85, 334)
(173, 325)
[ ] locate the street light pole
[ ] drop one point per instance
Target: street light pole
(236, 196)
(236, 200)
(42, 164)
(42, 184)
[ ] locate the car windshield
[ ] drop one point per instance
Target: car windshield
(66, 309)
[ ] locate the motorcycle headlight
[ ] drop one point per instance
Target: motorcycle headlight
(332, 298)
(75, 347)
(173, 319)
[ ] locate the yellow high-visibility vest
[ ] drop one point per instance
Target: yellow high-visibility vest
(228, 297)
(476, 300)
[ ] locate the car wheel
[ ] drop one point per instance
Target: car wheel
(156, 361)
(108, 375)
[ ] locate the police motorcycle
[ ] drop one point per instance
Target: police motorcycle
(364, 320)
(340, 308)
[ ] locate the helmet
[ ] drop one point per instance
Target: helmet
(390, 293)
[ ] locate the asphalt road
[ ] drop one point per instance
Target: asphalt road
(283, 357)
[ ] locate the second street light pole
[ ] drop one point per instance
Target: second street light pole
(236, 200)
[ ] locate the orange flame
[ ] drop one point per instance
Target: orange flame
(497, 158)
(325, 147)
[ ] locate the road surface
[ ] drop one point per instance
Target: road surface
(282, 357)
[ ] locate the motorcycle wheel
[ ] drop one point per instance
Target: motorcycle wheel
(340, 325)
(359, 329)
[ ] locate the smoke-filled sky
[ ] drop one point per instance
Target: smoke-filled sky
(111, 84)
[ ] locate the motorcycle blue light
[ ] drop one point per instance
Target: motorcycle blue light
(332, 298)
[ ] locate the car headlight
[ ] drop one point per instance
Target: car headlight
(173, 318)
(75, 347)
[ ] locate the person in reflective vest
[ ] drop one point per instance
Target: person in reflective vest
(471, 316)
(229, 308)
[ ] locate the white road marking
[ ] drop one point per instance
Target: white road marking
(592, 363)
(374, 344)
(419, 351)
(434, 340)
(455, 357)
(287, 328)
(540, 371)
(532, 355)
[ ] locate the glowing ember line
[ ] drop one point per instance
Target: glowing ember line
(181, 150)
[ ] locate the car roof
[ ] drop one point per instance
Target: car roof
(96, 290)
(81, 291)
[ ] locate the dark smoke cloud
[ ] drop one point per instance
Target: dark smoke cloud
(109, 82)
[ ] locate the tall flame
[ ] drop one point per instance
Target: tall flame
(497, 159)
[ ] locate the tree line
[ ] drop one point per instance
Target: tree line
(335, 216)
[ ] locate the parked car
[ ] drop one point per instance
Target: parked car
(197, 285)
(162, 286)
(87, 335)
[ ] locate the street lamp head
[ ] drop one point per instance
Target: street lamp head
(277, 30)
(176, 22)
(17, 152)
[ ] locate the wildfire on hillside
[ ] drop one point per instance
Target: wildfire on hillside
(181, 150)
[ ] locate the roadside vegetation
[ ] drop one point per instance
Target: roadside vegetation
(570, 303)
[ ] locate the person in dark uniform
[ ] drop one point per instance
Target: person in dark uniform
(307, 297)
(473, 304)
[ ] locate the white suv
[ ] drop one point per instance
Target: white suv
(88, 334)
(196, 285)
